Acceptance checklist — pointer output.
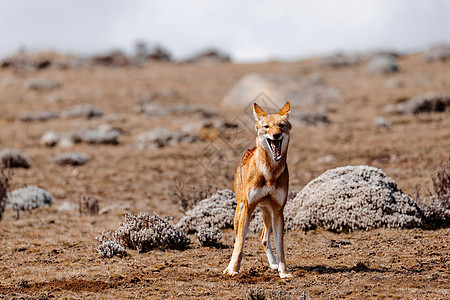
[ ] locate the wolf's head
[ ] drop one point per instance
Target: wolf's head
(273, 130)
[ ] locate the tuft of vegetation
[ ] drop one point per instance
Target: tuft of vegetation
(13, 158)
(69, 158)
(216, 211)
(89, 205)
(82, 111)
(41, 84)
(261, 293)
(382, 64)
(209, 236)
(96, 137)
(435, 209)
(186, 193)
(439, 52)
(145, 232)
(28, 198)
(38, 117)
(163, 137)
(109, 247)
(4, 185)
(427, 103)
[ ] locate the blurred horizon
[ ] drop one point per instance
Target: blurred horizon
(253, 31)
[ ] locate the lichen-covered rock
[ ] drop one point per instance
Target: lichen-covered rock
(352, 198)
(210, 56)
(216, 211)
(13, 158)
(339, 60)
(162, 137)
(82, 111)
(437, 53)
(50, 138)
(29, 198)
(382, 123)
(310, 117)
(101, 135)
(382, 64)
(69, 158)
(431, 102)
(41, 84)
(38, 116)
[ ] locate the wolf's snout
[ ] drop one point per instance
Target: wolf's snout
(276, 136)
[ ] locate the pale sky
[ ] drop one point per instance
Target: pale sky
(254, 30)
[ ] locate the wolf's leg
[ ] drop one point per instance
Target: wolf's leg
(265, 238)
(236, 258)
(278, 224)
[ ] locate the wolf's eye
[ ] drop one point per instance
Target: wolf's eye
(266, 126)
(282, 125)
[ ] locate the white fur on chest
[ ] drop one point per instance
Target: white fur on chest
(255, 195)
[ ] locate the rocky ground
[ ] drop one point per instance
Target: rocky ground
(192, 142)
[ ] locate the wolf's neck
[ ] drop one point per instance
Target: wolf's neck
(270, 168)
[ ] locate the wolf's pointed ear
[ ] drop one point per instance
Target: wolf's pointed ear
(285, 110)
(258, 112)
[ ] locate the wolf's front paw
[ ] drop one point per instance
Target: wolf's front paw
(274, 266)
(229, 272)
(286, 275)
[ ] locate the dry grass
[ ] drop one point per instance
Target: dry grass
(51, 253)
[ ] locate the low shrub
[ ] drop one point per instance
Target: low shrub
(69, 158)
(435, 209)
(38, 116)
(109, 247)
(82, 111)
(216, 211)
(96, 136)
(28, 198)
(208, 236)
(145, 232)
(4, 185)
(13, 158)
(89, 205)
(261, 293)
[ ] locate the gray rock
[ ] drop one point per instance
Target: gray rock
(13, 158)
(50, 138)
(82, 111)
(437, 53)
(69, 158)
(431, 102)
(38, 117)
(382, 123)
(352, 198)
(162, 137)
(382, 64)
(41, 84)
(28, 198)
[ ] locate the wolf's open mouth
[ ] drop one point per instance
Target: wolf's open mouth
(275, 148)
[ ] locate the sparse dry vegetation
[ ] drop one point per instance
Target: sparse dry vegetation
(13, 158)
(145, 232)
(69, 158)
(89, 204)
(436, 208)
(28, 198)
(4, 185)
(50, 252)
